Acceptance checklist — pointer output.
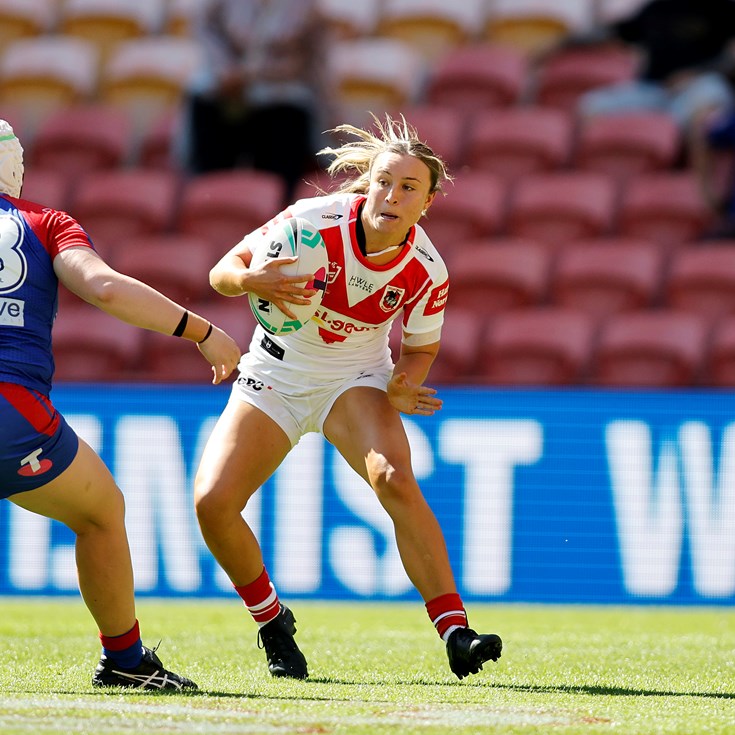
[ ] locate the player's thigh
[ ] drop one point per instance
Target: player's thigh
(84, 494)
(245, 448)
(368, 432)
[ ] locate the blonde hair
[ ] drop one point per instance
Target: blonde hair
(392, 136)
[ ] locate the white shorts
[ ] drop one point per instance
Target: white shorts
(299, 404)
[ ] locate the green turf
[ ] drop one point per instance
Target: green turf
(380, 669)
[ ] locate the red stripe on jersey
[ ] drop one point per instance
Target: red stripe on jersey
(35, 408)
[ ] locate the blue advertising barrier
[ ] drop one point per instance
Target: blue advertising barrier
(544, 496)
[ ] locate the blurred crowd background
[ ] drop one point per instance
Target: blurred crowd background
(589, 231)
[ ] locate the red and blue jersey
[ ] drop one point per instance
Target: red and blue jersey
(31, 236)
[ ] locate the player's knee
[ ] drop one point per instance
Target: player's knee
(393, 484)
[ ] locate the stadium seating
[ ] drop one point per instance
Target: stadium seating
(513, 142)
(628, 144)
(45, 73)
(374, 75)
(177, 265)
(178, 17)
(535, 26)
(562, 77)
(156, 147)
(720, 357)
(701, 279)
(535, 347)
(25, 18)
(89, 345)
(352, 20)
(225, 206)
(667, 208)
(494, 275)
(82, 138)
(118, 205)
(50, 187)
(609, 276)
(442, 128)
(461, 337)
(147, 76)
(474, 207)
(433, 27)
(651, 349)
(108, 22)
(558, 208)
(476, 77)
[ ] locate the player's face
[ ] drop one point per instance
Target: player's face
(399, 192)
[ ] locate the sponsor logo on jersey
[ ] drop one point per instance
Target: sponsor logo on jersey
(437, 299)
(252, 383)
(423, 252)
(392, 298)
(361, 283)
(334, 328)
(12, 312)
(31, 465)
(332, 215)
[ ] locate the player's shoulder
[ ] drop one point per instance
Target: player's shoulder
(425, 251)
(325, 211)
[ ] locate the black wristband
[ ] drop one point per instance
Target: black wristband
(206, 336)
(181, 325)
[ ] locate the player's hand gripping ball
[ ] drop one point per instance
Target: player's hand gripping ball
(292, 237)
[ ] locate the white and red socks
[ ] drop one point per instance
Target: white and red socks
(447, 613)
(261, 599)
(125, 650)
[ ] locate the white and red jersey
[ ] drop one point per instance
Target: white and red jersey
(352, 325)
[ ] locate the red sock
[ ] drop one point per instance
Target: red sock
(447, 613)
(261, 599)
(126, 649)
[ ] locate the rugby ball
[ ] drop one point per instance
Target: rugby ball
(292, 237)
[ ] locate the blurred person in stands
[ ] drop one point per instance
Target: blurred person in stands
(262, 97)
(44, 466)
(681, 44)
(336, 376)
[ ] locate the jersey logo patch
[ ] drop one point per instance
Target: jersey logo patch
(31, 465)
(392, 298)
(437, 299)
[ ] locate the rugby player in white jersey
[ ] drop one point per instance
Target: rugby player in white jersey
(336, 376)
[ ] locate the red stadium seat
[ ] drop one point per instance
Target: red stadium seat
(170, 360)
(460, 342)
(225, 206)
(156, 149)
(516, 141)
(628, 144)
(82, 138)
(118, 205)
(651, 349)
(564, 76)
(667, 208)
(442, 128)
(546, 346)
(720, 362)
(490, 276)
(177, 265)
(604, 279)
(49, 187)
(558, 208)
(701, 279)
(476, 77)
(89, 345)
(474, 207)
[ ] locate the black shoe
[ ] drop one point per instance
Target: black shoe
(468, 651)
(148, 674)
(284, 657)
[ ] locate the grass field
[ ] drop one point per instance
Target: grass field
(380, 669)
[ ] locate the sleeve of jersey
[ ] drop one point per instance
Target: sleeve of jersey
(423, 318)
(57, 230)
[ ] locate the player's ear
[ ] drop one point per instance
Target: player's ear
(428, 203)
